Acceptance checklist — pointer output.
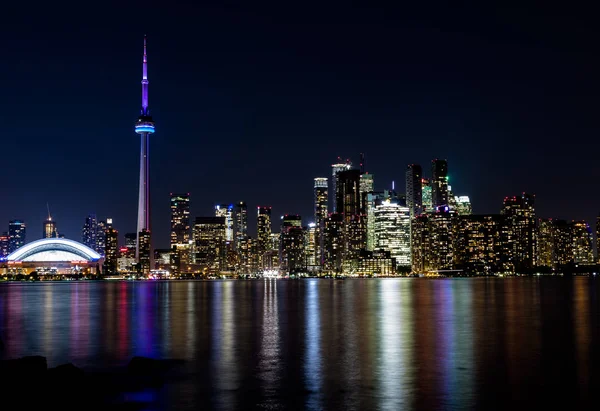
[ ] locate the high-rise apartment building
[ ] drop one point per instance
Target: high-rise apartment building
(582, 243)
(310, 246)
(130, 245)
(414, 190)
(519, 234)
(392, 230)
(263, 231)
(291, 255)
(367, 184)
(145, 251)
(111, 249)
(478, 243)
(333, 250)
(442, 242)
(351, 206)
(439, 183)
(226, 211)
(420, 244)
(348, 193)
(335, 169)
(240, 223)
(210, 244)
(89, 232)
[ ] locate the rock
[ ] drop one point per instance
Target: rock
(66, 373)
(25, 367)
(149, 366)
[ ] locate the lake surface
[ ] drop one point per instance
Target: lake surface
(389, 344)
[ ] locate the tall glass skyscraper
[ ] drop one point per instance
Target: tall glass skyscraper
(226, 211)
(240, 224)
(263, 230)
(321, 197)
(335, 169)
(89, 232)
(414, 194)
(439, 183)
(392, 230)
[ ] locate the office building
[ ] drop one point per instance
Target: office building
(89, 232)
(49, 228)
(321, 198)
(439, 183)
(414, 189)
(311, 246)
(348, 199)
(145, 251)
(101, 236)
(226, 211)
(17, 234)
(335, 169)
(462, 205)
(427, 204)
(210, 244)
(392, 230)
(130, 245)
(162, 259)
(180, 231)
(441, 243)
(420, 244)
(367, 184)
(376, 264)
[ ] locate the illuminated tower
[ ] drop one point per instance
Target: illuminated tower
(144, 127)
(335, 169)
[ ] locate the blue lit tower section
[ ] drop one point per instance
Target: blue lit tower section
(144, 127)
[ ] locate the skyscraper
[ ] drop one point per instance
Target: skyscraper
(351, 206)
(292, 245)
(439, 183)
(321, 196)
(209, 240)
(226, 211)
(462, 205)
(442, 238)
(427, 203)
(90, 231)
(111, 250)
(49, 228)
(367, 183)
(310, 246)
(478, 246)
(335, 169)
(333, 249)
(347, 196)
(392, 230)
(240, 223)
(519, 234)
(414, 193)
(582, 243)
(130, 244)
(144, 127)
(101, 237)
(263, 230)
(180, 230)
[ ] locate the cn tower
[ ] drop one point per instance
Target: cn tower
(144, 127)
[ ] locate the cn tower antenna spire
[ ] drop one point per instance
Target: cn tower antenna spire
(145, 110)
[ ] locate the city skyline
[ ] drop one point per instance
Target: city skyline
(222, 133)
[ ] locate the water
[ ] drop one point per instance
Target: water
(386, 344)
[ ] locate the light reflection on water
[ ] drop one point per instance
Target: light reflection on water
(326, 344)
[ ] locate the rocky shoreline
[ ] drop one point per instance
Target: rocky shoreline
(28, 382)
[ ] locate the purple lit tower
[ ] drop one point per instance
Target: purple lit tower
(144, 127)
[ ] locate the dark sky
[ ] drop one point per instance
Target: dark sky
(252, 102)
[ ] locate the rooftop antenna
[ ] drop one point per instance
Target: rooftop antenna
(48, 207)
(362, 163)
(393, 185)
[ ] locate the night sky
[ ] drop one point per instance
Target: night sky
(253, 103)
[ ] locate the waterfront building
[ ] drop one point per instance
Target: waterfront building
(519, 234)
(145, 252)
(421, 244)
(162, 259)
(321, 198)
(263, 230)
(210, 244)
(52, 256)
(111, 247)
(377, 263)
(582, 243)
(546, 235)
(226, 211)
(392, 230)
(249, 259)
(334, 241)
(478, 243)
(442, 232)
(89, 232)
(335, 169)
(180, 230)
(17, 235)
(144, 126)
(292, 260)
(414, 189)
(311, 246)
(439, 183)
